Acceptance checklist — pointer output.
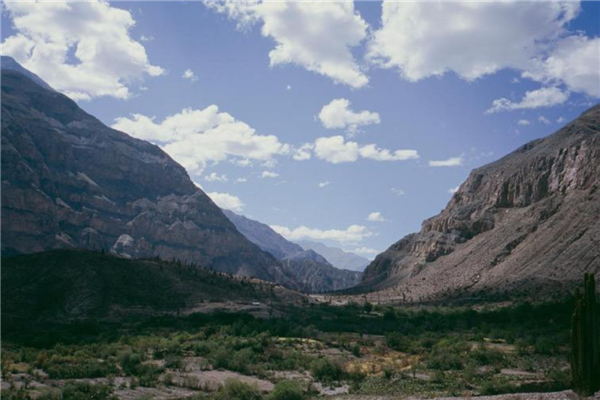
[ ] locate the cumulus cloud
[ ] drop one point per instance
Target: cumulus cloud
(451, 162)
(196, 137)
(241, 180)
(471, 39)
(269, 174)
(575, 62)
(543, 97)
(367, 251)
(338, 115)
(375, 217)
(475, 39)
(523, 122)
(324, 184)
(336, 150)
(227, 201)
(352, 234)
(190, 75)
(316, 36)
(214, 177)
(303, 152)
(83, 49)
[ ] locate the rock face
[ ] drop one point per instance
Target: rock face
(527, 224)
(68, 181)
(309, 271)
(337, 257)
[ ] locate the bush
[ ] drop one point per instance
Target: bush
(287, 390)
(85, 391)
(236, 390)
(325, 370)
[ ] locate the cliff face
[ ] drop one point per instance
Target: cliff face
(68, 181)
(527, 223)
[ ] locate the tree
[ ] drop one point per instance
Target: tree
(585, 355)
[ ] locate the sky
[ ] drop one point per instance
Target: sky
(344, 122)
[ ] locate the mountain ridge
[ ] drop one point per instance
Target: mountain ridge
(526, 223)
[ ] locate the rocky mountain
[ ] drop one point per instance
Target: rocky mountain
(9, 63)
(337, 257)
(527, 224)
(69, 181)
(310, 271)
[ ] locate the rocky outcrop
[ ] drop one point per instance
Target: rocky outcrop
(68, 181)
(309, 271)
(526, 224)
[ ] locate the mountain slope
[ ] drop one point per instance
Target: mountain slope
(527, 224)
(68, 181)
(309, 271)
(263, 236)
(337, 257)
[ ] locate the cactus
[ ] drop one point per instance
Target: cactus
(585, 355)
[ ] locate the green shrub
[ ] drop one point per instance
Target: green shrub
(236, 390)
(325, 370)
(287, 390)
(85, 391)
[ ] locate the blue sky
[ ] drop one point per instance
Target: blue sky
(432, 93)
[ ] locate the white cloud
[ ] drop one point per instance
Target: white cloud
(288, 87)
(316, 36)
(544, 120)
(304, 152)
(453, 190)
(523, 122)
(145, 38)
(241, 180)
(269, 174)
(471, 39)
(397, 191)
(365, 251)
(451, 162)
(190, 75)
(82, 49)
(338, 115)
(575, 62)
(336, 150)
(324, 184)
(227, 201)
(352, 234)
(543, 97)
(560, 120)
(214, 177)
(195, 137)
(375, 217)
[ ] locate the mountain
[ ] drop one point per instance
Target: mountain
(263, 236)
(527, 224)
(69, 181)
(9, 63)
(337, 257)
(59, 286)
(309, 271)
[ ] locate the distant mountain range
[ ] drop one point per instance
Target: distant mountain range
(337, 257)
(307, 268)
(527, 224)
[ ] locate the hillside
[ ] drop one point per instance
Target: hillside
(68, 285)
(68, 181)
(527, 224)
